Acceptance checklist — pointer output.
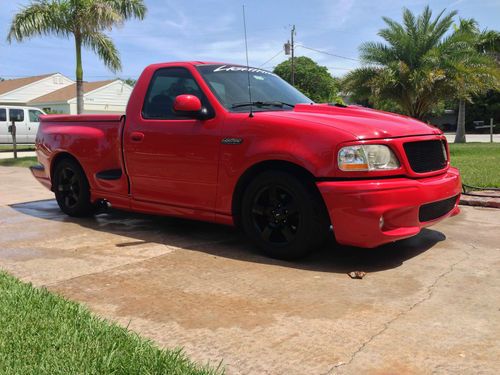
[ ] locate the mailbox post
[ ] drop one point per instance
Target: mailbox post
(12, 130)
(491, 130)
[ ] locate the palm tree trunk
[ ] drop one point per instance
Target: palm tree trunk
(460, 136)
(79, 75)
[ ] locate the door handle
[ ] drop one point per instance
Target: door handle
(137, 136)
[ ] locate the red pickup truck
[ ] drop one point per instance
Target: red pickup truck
(286, 170)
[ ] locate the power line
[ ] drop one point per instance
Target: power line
(338, 68)
(328, 53)
(272, 58)
(85, 76)
(269, 67)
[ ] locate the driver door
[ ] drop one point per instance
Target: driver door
(172, 160)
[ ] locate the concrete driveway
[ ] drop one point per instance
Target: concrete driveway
(20, 154)
(427, 305)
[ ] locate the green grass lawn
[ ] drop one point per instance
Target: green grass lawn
(479, 163)
(6, 148)
(42, 333)
(19, 162)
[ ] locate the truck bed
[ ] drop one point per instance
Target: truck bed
(82, 118)
(93, 140)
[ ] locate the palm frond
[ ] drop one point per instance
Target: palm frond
(410, 24)
(104, 47)
(489, 41)
(99, 15)
(41, 18)
(421, 63)
(129, 8)
(377, 53)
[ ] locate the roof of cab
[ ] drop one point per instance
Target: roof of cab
(194, 63)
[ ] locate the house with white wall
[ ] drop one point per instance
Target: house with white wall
(21, 91)
(99, 97)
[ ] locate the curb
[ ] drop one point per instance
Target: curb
(478, 201)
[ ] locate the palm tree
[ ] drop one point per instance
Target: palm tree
(84, 20)
(418, 65)
(489, 42)
(478, 72)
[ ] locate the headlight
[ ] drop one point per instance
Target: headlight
(367, 158)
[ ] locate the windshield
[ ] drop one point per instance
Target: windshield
(229, 83)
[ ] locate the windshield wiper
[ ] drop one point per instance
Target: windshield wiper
(260, 104)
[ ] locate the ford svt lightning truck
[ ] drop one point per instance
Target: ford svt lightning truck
(197, 143)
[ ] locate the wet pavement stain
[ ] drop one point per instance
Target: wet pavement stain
(427, 304)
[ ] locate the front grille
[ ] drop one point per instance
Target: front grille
(426, 156)
(431, 211)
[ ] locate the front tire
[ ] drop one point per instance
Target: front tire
(72, 189)
(283, 215)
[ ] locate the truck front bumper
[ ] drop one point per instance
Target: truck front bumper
(369, 213)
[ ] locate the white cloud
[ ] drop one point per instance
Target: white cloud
(337, 12)
(455, 3)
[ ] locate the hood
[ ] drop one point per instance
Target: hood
(362, 123)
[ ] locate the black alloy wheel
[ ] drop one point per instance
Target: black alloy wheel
(283, 215)
(71, 188)
(275, 214)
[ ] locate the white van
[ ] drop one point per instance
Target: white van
(26, 128)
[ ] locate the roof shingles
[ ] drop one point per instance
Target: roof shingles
(69, 92)
(13, 84)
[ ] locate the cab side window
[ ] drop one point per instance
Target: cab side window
(165, 86)
(3, 114)
(34, 115)
(16, 114)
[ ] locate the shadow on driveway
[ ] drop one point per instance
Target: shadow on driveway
(222, 241)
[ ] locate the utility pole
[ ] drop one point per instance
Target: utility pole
(293, 55)
(290, 49)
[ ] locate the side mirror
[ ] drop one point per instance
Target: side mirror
(188, 105)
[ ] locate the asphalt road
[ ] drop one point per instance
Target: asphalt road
(427, 305)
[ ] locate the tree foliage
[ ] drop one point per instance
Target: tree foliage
(130, 81)
(478, 77)
(84, 20)
(310, 78)
(485, 107)
(421, 63)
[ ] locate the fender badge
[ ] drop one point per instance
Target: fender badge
(232, 141)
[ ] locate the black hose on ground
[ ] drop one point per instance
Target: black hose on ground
(465, 189)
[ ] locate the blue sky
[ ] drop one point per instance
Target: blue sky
(212, 30)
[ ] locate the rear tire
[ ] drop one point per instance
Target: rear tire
(72, 189)
(283, 216)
